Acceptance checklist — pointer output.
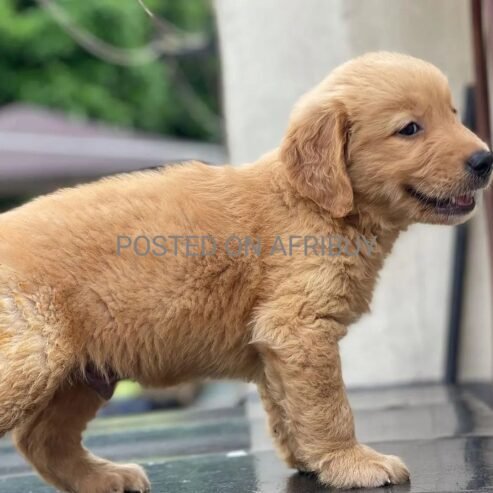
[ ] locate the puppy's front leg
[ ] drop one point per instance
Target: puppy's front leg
(270, 396)
(303, 365)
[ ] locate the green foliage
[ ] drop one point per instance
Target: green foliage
(42, 64)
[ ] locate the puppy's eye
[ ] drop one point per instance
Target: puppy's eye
(410, 129)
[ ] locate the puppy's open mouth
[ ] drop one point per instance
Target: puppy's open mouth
(460, 204)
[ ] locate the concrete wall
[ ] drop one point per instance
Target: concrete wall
(272, 52)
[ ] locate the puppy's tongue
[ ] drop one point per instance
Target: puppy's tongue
(463, 200)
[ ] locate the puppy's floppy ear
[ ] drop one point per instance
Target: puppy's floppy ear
(314, 151)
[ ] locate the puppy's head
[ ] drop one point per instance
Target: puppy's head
(381, 135)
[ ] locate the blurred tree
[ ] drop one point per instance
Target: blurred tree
(42, 64)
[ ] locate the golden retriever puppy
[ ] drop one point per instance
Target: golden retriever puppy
(253, 272)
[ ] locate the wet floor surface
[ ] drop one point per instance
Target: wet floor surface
(445, 436)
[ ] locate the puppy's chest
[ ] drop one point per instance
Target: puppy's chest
(345, 288)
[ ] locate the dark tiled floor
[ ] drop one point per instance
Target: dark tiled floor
(445, 435)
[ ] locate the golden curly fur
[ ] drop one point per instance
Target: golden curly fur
(69, 301)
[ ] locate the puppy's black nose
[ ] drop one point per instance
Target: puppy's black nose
(481, 163)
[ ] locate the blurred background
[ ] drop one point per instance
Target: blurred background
(94, 87)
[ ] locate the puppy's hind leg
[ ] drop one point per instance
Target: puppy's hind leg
(29, 374)
(51, 441)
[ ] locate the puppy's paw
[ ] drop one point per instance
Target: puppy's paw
(362, 467)
(114, 478)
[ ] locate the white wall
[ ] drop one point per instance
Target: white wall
(272, 52)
